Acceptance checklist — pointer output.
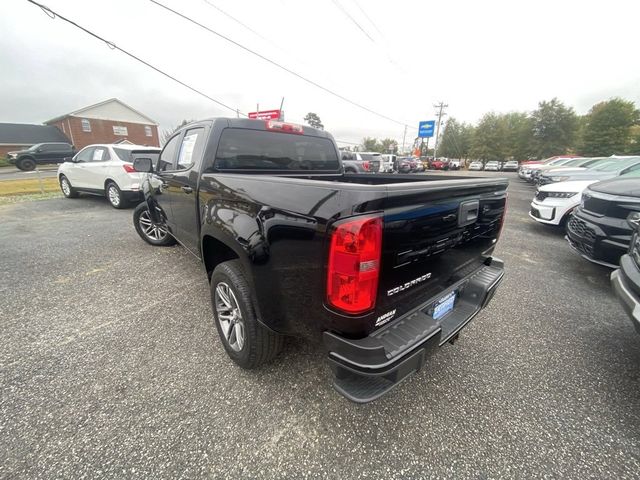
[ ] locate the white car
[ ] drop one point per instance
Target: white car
(476, 165)
(554, 203)
(492, 166)
(106, 170)
(387, 163)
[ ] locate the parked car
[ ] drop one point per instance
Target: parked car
(388, 163)
(455, 164)
(578, 164)
(602, 170)
(510, 166)
(361, 162)
(492, 166)
(40, 154)
(404, 164)
(420, 165)
(439, 165)
(553, 204)
(527, 172)
(598, 229)
(626, 280)
(476, 165)
(106, 170)
(291, 246)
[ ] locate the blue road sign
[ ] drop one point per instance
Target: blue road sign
(426, 128)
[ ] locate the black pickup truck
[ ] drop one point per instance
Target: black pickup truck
(383, 268)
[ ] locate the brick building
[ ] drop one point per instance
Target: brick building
(111, 121)
(19, 136)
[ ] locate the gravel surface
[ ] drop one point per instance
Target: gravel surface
(111, 368)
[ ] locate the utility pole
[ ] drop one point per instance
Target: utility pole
(440, 106)
(404, 136)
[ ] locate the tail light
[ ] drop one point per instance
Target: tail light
(504, 215)
(354, 264)
(284, 127)
(366, 165)
(129, 168)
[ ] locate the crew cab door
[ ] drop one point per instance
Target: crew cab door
(164, 171)
(180, 183)
(183, 187)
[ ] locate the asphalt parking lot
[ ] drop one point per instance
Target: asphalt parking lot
(111, 368)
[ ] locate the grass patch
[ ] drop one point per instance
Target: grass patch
(4, 162)
(29, 197)
(29, 186)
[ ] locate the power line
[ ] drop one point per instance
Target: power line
(278, 65)
(113, 46)
(348, 15)
(367, 17)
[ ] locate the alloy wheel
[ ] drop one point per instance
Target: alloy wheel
(66, 188)
(229, 316)
(114, 195)
(154, 232)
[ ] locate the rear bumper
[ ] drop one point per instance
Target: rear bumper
(629, 300)
(367, 368)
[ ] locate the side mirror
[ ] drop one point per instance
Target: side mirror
(38, 150)
(143, 165)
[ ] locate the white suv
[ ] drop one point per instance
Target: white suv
(106, 170)
(554, 203)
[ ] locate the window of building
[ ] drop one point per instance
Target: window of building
(119, 130)
(86, 125)
(147, 131)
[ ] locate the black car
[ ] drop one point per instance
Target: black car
(41, 153)
(626, 280)
(598, 229)
(384, 268)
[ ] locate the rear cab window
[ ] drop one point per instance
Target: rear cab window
(245, 149)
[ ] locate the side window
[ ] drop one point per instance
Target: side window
(85, 155)
(632, 168)
(191, 148)
(168, 155)
(100, 154)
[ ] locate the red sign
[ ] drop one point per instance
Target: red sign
(266, 115)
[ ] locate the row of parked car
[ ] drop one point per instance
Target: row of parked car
(495, 166)
(374, 162)
(597, 201)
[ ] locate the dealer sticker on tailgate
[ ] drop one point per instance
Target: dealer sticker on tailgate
(444, 305)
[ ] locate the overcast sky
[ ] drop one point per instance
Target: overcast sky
(397, 58)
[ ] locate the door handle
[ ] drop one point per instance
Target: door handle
(187, 189)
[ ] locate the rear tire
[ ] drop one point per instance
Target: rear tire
(153, 235)
(247, 342)
(67, 190)
(26, 164)
(114, 195)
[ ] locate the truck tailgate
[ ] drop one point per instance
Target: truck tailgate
(432, 238)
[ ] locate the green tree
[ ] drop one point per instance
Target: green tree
(634, 144)
(518, 131)
(488, 139)
(608, 128)
(456, 140)
(313, 120)
(370, 144)
(388, 145)
(554, 128)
